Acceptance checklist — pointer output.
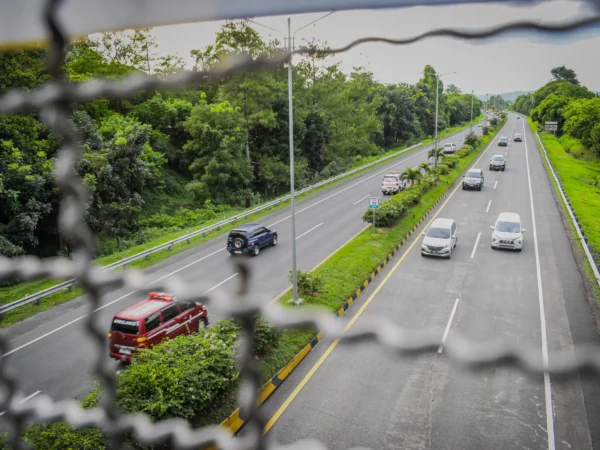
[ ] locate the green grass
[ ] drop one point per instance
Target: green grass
(12, 293)
(581, 181)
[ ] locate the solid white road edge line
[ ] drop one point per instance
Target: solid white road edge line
(547, 386)
(475, 246)
(448, 326)
(306, 232)
(488, 206)
(358, 201)
(29, 397)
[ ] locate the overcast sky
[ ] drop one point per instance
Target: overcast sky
(510, 63)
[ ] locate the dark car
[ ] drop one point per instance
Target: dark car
(473, 179)
(503, 142)
(250, 238)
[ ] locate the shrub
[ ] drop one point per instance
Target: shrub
(485, 131)
(493, 121)
(443, 169)
(60, 436)
(181, 377)
(307, 283)
(472, 140)
(451, 161)
(266, 336)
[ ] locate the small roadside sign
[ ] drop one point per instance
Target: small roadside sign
(551, 126)
(374, 203)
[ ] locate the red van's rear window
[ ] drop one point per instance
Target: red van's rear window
(125, 326)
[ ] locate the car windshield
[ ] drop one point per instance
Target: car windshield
(503, 139)
(517, 135)
(234, 234)
(498, 158)
(441, 233)
(125, 326)
(508, 227)
(473, 174)
(390, 180)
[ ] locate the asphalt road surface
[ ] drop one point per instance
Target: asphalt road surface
(360, 395)
(52, 354)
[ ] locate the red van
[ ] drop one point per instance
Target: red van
(150, 321)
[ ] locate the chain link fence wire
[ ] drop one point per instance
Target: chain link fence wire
(55, 101)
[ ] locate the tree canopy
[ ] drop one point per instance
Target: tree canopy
(183, 154)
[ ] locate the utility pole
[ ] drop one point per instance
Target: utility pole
(472, 110)
(437, 94)
(292, 179)
(290, 47)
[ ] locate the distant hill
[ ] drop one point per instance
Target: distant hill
(508, 96)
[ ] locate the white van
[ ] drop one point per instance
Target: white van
(392, 184)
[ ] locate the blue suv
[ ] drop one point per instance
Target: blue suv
(250, 238)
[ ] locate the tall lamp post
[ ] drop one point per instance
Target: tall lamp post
(437, 94)
(472, 110)
(290, 48)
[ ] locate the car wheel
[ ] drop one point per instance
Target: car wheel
(479, 188)
(256, 251)
(274, 241)
(519, 249)
(423, 254)
(238, 243)
(464, 187)
(493, 248)
(202, 323)
(450, 254)
(503, 169)
(456, 243)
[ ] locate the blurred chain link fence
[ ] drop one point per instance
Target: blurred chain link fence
(55, 100)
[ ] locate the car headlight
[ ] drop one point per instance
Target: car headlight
(495, 239)
(519, 241)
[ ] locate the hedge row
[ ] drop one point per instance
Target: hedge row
(392, 210)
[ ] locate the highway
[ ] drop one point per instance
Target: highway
(363, 396)
(55, 340)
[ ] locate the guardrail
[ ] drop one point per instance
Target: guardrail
(36, 298)
(573, 214)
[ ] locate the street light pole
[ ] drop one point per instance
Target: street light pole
(472, 111)
(437, 93)
(290, 48)
(292, 178)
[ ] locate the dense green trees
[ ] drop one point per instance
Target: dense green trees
(563, 100)
(225, 141)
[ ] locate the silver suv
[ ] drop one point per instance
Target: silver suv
(440, 238)
(498, 162)
(508, 232)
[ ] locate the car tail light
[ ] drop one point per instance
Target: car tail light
(109, 335)
(141, 339)
(396, 184)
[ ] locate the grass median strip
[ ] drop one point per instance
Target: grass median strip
(12, 293)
